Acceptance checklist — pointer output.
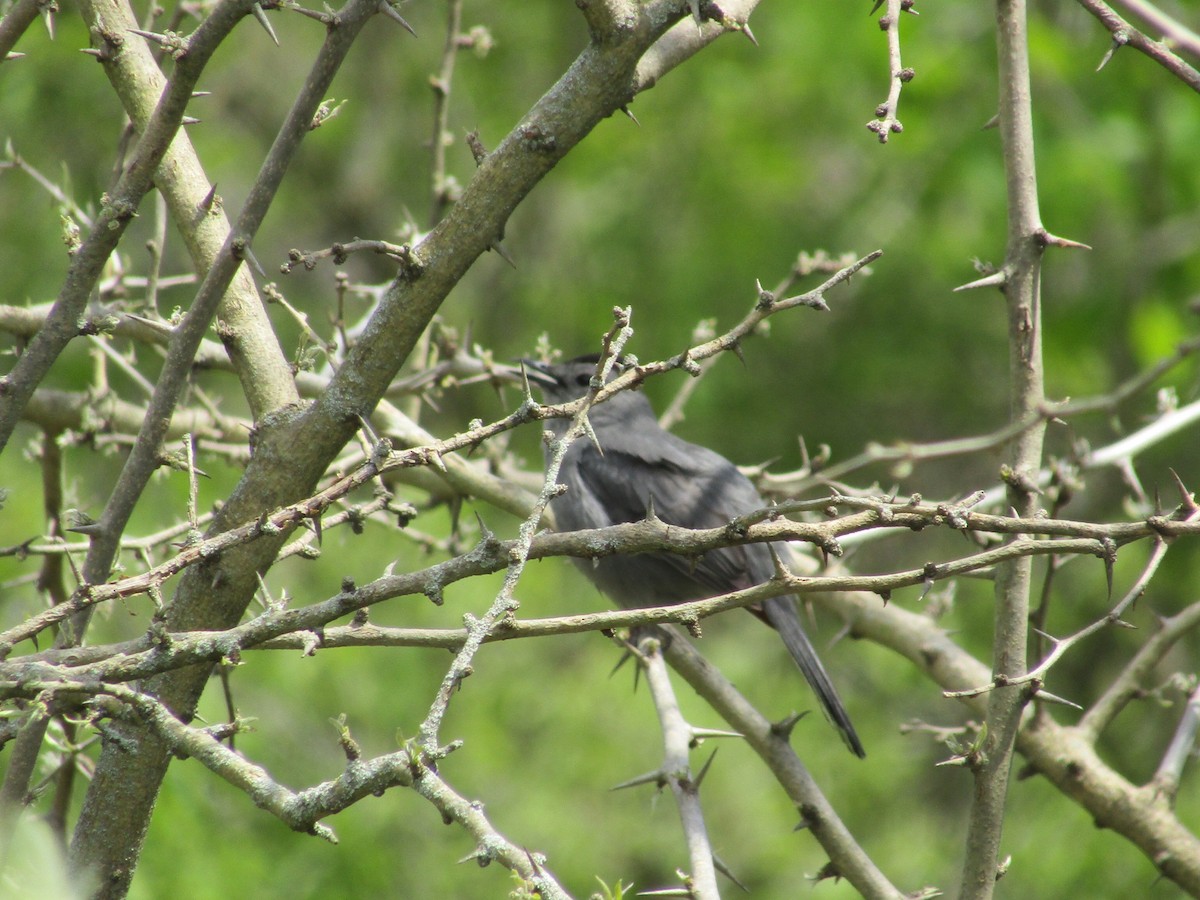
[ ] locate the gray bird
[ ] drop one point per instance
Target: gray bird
(639, 465)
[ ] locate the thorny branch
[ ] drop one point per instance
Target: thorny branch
(43, 683)
(676, 770)
(505, 603)
(160, 651)
(886, 123)
(383, 459)
(1124, 34)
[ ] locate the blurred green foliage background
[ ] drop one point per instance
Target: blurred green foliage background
(743, 157)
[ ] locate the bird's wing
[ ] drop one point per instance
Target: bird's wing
(696, 487)
(692, 487)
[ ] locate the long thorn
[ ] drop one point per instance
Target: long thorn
(261, 15)
(390, 11)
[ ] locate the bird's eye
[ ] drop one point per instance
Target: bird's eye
(583, 380)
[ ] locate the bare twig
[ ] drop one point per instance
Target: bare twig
(1062, 754)
(1134, 676)
(1171, 422)
(685, 39)
(61, 325)
(16, 20)
(848, 859)
(676, 771)
(145, 657)
(1022, 268)
(248, 345)
(1180, 750)
(1125, 34)
(886, 123)
(441, 83)
(1173, 31)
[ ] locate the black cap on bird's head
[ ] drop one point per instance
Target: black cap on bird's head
(565, 381)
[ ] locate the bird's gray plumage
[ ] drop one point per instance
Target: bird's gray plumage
(638, 464)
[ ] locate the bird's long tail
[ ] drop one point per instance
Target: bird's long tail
(781, 612)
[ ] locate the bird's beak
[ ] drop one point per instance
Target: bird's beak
(536, 372)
